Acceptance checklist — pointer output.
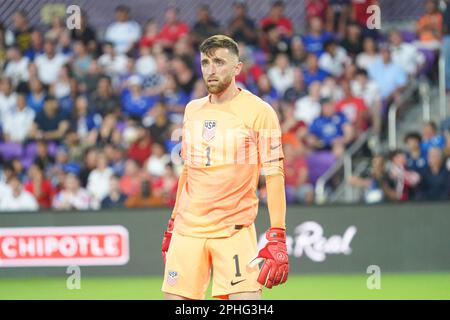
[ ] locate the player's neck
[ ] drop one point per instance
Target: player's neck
(225, 96)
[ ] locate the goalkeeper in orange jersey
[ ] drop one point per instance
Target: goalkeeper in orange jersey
(228, 138)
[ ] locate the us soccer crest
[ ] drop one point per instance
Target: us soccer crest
(209, 129)
(172, 278)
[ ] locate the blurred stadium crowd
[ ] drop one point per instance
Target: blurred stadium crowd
(87, 115)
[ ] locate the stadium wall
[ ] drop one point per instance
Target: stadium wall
(326, 239)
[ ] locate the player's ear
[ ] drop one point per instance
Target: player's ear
(238, 68)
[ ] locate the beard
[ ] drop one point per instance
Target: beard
(220, 86)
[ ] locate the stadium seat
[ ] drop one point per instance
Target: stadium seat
(430, 58)
(26, 162)
(318, 163)
(10, 150)
(259, 57)
(31, 149)
(409, 36)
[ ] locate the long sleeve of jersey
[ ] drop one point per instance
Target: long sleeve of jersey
(181, 184)
(276, 198)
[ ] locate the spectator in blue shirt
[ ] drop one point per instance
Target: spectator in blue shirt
(389, 76)
(331, 130)
(430, 138)
(135, 102)
(435, 177)
(36, 45)
(265, 90)
(82, 120)
(315, 39)
(175, 99)
(312, 72)
(415, 160)
(118, 160)
(36, 97)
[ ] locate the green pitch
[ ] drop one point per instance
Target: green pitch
(393, 286)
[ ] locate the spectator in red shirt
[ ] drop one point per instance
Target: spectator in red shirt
(151, 35)
(354, 108)
(173, 29)
(250, 72)
(166, 185)
(296, 173)
(275, 16)
(316, 8)
(140, 150)
(405, 180)
(360, 15)
(131, 181)
(293, 131)
(40, 187)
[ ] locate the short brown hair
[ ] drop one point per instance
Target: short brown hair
(219, 41)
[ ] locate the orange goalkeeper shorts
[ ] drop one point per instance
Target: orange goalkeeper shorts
(191, 261)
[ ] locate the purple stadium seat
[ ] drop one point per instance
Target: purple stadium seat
(259, 57)
(382, 39)
(318, 163)
(52, 148)
(31, 149)
(430, 58)
(290, 195)
(409, 36)
(26, 162)
(10, 150)
(121, 125)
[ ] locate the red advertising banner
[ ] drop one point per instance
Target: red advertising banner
(63, 246)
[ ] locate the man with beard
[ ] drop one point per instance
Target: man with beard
(228, 136)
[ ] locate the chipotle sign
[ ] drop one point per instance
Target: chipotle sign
(63, 246)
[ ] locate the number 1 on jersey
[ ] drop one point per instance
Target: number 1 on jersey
(208, 156)
(236, 263)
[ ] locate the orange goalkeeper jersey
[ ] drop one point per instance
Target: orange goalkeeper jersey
(223, 147)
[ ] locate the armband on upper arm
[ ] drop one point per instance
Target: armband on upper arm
(274, 167)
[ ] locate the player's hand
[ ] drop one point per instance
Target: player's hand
(276, 265)
(166, 239)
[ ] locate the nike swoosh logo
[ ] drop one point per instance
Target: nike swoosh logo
(271, 148)
(235, 283)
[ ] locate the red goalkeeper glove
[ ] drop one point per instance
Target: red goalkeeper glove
(166, 239)
(276, 265)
